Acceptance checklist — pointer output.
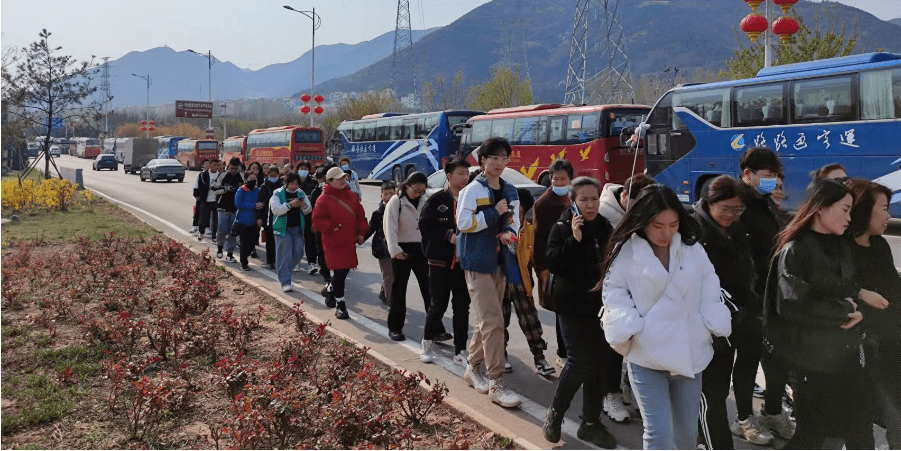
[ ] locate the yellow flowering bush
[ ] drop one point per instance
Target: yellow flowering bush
(52, 194)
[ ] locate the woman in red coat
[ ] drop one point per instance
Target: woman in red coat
(339, 217)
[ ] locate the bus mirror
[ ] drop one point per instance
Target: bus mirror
(625, 136)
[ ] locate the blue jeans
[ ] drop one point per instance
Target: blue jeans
(224, 237)
(288, 252)
(669, 407)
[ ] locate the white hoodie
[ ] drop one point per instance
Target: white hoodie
(674, 333)
(610, 207)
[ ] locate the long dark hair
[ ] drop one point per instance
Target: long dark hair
(864, 192)
(414, 178)
(651, 201)
(821, 194)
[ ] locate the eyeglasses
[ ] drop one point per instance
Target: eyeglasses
(418, 191)
(499, 159)
(734, 211)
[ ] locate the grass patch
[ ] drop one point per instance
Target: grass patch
(95, 222)
(33, 175)
(13, 331)
(42, 401)
(83, 360)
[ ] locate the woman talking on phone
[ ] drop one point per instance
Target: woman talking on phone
(574, 251)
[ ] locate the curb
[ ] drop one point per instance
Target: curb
(464, 408)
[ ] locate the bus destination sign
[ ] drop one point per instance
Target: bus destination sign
(193, 110)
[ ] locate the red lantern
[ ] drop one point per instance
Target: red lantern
(319, 98)
(305, 109)
(143, 129)
(143, 122)
(785, 27)
(306, 98)
(786, 5)
(318, 110)
(152, 123)
(152, 129)
(754, 4)
(754, 24)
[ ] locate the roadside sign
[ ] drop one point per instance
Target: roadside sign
(193, 109)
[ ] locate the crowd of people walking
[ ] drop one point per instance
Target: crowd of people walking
(657, 305)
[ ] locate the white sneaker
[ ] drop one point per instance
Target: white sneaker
(461, 358)
(474, 377)
(751, 431)
(560, 361)
(427, 353)
(499, 393)
(312, 269)
(287, 288)
(613, 407)
(194, 229)
(508, 368)
(298, 267)
(628, 396)
(780, 425)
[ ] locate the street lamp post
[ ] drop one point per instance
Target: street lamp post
(210, 61)
(147, 110)
(317, 21)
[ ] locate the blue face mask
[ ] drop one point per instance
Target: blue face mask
(345, 167)
(767, 185)
(273, 179)
(560, 190)
(303, 173)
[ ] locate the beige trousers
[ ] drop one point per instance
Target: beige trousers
(487, 342)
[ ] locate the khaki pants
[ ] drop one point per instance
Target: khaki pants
(487, 342)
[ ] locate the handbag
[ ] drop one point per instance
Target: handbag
(624, 348)
(238, 228)
(551, 290)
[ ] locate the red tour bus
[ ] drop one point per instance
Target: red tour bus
(285, 145)
(193, 152)
(234, 147)
(587, 136)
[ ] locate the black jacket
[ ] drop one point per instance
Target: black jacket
(577, 264)
(230, 185)
(875, 271)
(806, 302)
(308, 185)
(763, 222)
(266, 190)
(379, 243)
(203, 186)
(437, 225)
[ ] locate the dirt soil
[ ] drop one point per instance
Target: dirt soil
(56, 386)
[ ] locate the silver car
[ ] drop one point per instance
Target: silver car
(438, 181)
(163, 169)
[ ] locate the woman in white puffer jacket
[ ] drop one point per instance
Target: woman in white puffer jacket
(662, 304)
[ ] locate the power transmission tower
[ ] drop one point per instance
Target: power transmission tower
(105, 95)
(512, 43)
(598, 69)
(402, 60)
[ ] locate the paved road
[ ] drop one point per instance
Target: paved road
(168, 206)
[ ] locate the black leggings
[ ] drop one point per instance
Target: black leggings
(339, 277)
(397, 310)
(725, 367)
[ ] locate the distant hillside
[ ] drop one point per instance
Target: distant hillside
(896, 21)
(183, 75)
(659, 34)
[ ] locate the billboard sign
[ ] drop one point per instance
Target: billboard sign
(193, 110)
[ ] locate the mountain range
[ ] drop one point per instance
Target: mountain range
(658, 34)
(181, 75)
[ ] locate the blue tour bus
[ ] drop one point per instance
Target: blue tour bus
(168, 147)
(392, 146)
(842, 110)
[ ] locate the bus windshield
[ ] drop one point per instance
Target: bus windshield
(307, 136)
(207, 145)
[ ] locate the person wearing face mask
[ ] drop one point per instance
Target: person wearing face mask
(615, 199)
(353, 180)
(246, 202)
(547, 210)
(307, 185)
(288, 205)
(272, 182)
(760, 170)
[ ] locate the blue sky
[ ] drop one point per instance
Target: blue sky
(250, 34)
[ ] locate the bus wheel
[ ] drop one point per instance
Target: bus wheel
(544, 180)
(410, 170)
(397, 175)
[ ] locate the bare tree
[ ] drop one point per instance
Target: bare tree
(46, 89)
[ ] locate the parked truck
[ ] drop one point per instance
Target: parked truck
(137, 153)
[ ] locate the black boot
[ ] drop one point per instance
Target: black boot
(596, 434)
(552, 425)
(341, 310)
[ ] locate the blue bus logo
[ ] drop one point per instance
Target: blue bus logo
(738, 142)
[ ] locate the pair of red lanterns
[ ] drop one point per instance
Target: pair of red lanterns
(753, 24)
(305, 109)
(144, 126)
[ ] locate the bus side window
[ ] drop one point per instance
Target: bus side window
(481, 130)
(525, 130)
(830, 99)
(759, 105)
(369, 131)
(541, 136)
(880, 94)
(557, 130)
(381, 130)
(503, 128)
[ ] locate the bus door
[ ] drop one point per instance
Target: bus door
(618, 155)
(668, 139)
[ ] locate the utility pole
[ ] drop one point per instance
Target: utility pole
(210, 61)
(146, 111)
(317, 21)
(224, 127)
